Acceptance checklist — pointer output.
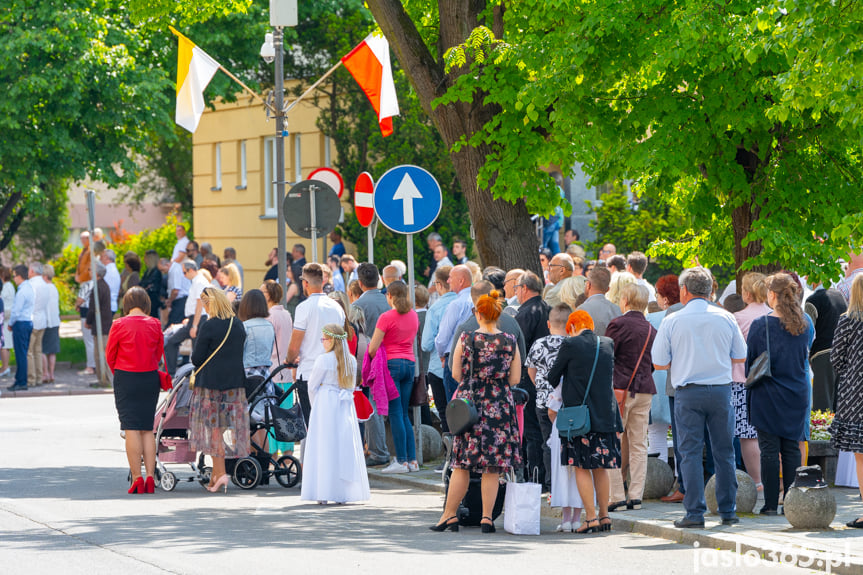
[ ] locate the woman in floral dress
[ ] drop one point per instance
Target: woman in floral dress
(486, 363)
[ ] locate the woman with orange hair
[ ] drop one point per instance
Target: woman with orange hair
(486, 362)
(598, 450)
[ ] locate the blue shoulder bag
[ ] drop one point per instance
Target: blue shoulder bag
(574, 421)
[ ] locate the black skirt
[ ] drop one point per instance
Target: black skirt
(135, 395)
(51, 341)
(593, 450)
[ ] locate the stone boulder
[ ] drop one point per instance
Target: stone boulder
(659, 480)
(809, 508)
(747, 494)
(431, 441)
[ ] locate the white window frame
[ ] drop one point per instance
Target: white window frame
(244, 167)
(327, 154)
(298, 159)
(217, 163)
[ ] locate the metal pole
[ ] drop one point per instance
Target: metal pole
(371, 237)
(90, 196)
(314, 219)
(281, 133)
(410, 238)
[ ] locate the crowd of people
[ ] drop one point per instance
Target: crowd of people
(643, 359)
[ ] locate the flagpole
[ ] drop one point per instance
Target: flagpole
(312, 87)
(249, 90)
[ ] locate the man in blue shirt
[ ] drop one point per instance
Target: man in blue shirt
(432, 326)
(460, 280)
(21, 324)
(698, 344)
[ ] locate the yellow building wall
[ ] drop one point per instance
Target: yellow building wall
(235, 215)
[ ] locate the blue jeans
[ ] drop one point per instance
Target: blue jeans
(676, 446)
(21, 343)
(402, 372)
(694, 407)
(550, 237)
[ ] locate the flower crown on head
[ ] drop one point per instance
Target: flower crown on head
(334, 336)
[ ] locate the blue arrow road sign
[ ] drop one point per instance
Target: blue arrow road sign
(407, 199)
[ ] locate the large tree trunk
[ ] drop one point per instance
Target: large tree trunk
(505, 236)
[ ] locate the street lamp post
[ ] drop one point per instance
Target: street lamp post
(282, 13)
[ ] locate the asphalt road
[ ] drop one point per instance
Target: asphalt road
(64, 510)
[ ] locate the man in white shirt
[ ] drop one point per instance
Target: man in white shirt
(179, 252)
(112, 276)
(316, 311)
(194, 312)
(35, 373)
(178, 291)
(636, 264)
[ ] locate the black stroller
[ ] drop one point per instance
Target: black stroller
(286, 424)
(470, 510)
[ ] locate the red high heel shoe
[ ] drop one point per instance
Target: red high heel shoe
(150, 485)
(137, 486)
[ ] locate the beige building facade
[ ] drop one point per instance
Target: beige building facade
(233, 174)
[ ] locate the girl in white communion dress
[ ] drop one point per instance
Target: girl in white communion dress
(334, 467)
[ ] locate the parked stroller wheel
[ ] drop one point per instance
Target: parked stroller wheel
(168, 481)
(288, 471)
(247, 473)
(205, 474)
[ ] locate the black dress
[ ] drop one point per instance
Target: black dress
(599, 448)
(847, 359)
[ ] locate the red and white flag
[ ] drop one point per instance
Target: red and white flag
(369, 64)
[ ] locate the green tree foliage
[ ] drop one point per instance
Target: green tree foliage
(745, 116)
(78, 103)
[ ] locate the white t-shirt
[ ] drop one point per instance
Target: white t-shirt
(650, 289)
(199, 282)
(311, 316)
(177, 281)
(180, 246)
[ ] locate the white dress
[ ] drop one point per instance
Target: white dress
(564, 489)
(334, 466)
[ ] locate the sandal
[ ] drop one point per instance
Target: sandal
(587, 528)
(605, 523)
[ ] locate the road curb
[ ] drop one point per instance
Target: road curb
(731, 538)
(16, 394)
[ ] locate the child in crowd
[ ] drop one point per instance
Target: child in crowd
(334, 467)
(543, 353)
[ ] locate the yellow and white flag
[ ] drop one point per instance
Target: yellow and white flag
(195, 69)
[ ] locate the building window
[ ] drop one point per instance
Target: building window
(270, 208)
(217, 169)
(244, 182)
(327, 155)
(298, 159)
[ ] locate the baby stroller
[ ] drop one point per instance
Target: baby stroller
(171, 426)
(470, 510)
(286, 425)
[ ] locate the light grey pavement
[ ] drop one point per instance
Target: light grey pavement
(64, 509)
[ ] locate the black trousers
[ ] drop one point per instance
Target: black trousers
(178, 308)
(440, 398)
(546, 427)
(532, 442)
(772, 447)
(172, 346)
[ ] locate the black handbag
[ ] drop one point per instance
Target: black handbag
(288, 424)
(760, 368)
(461, 414)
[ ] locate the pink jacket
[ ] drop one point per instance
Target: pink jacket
(376, 375)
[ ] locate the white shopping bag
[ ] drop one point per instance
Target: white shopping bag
(521, 509)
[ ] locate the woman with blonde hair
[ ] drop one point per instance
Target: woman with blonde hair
(229, 278)
(754, 294)
(618, 280)
(847, 359)
(779, 402)
(334, 466)
(218, 412)
(571, 290)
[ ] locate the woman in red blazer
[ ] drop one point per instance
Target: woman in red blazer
(133, 351)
